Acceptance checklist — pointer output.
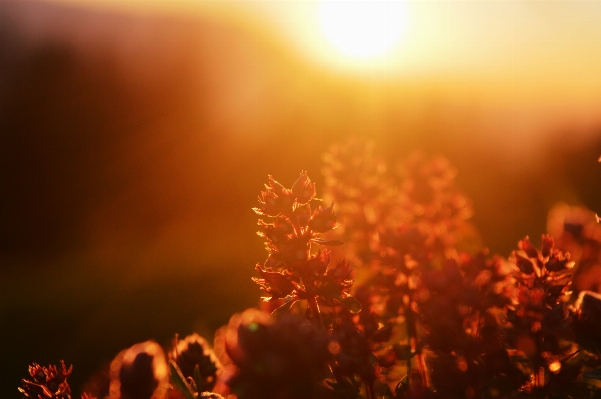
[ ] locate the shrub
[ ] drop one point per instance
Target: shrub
(411, 312)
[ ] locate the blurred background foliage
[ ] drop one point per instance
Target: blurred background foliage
(134, 143)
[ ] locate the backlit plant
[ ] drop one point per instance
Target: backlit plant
(419, 315)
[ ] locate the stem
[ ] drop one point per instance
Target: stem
(312, 302)
(421, 367)
(413, 344)
(298, 230)
(370, 390)
(539, 362)
(540, 377)
(175, 341)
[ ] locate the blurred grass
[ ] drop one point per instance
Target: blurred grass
(86, 314)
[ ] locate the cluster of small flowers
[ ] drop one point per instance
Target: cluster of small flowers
(47, 382)
(292, 270)
(139, 372)
(463, 325)
(416, 195)
(425, 319)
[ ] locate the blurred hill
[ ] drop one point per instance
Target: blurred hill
(132, 148)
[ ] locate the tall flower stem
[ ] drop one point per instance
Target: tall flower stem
(318, 321)
(370, 391)
(315, 313)
(416, 350)
(291, 270)
(411, 332)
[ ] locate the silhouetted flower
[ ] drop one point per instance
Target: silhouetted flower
(194, 351)
(47, 382)
(541, 329)
(462, 316)
(418, 194)
(429, 200)
(577, 231)
(361, 185)
(292, 270)
(139, 372)
(436, 322)
(275, 359)
(351, 350)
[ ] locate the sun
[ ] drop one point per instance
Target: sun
(362, 29)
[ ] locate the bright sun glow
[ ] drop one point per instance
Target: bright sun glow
(362, 29)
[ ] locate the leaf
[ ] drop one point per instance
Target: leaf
(319, 262)
(303, 189)
(331, 243)
(302, 213)
(179, 381)
(284, 308)
(547, 245)
(339, 272)
(353, 305)
(323, 219)
(402, 388)
(326, 288)
(197, 379)
(524, 264)
(526, 246)
(557, 263)
(276, 284)
(273, 261)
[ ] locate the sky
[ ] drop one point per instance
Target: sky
(537, 57)
(529, 40)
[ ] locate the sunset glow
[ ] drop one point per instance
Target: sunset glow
(362, 28)
(383, 185)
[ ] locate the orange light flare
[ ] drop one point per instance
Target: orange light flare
(362, 29)
(512, 72)
(530, 69)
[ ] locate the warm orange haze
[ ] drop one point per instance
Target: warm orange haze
(136, 135)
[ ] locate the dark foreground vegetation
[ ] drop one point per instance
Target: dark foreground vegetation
(380, 290)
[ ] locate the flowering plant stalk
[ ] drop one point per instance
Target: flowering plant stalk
(417, 311)
(294, 271)
(473, 326)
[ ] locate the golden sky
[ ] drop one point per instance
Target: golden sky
(528, 66)
(526, 41)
